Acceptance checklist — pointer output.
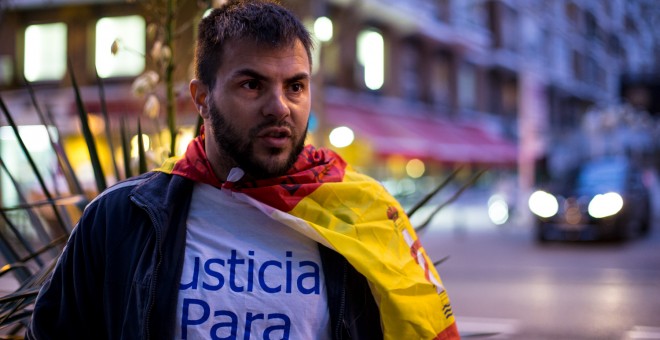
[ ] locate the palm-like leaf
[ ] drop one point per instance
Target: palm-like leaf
(142, 157)
(125, 148)
(430, 195)
(62, 159)
(451, 199)
(87, 134)
(106, 119)
(33, 165)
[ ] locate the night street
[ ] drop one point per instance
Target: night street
(504, 285)
(174, 165)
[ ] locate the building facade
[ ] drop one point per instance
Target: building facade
(443, 82)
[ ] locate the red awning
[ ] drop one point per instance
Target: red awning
(423, 137)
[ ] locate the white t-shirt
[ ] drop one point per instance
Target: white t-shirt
(246, 276)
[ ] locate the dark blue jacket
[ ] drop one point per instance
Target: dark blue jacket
(118, 276)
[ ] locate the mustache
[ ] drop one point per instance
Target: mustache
(270, 124)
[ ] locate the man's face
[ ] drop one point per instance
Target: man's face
(259, 109)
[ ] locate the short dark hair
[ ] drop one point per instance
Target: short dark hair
(261, 21)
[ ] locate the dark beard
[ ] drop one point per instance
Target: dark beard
(240, 150)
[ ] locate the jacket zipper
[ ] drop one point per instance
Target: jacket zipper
(152, 288)
(342, 304)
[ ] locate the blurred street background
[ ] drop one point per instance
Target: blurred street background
(504, 285)
(504, 105)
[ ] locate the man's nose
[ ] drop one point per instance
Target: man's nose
(277, 105)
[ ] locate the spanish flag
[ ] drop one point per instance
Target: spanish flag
(324, 199)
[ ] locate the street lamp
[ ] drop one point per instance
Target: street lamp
(323, 29)
(341, 137)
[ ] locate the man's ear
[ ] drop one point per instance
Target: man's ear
(200, 96)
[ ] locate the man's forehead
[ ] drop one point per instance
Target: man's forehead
(255, 56)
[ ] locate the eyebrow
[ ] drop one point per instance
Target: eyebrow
(254, 74)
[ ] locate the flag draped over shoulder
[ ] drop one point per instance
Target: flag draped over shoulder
(324, 199)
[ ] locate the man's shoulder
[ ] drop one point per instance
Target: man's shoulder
(147, 184)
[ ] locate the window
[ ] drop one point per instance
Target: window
(322, 32)
(444, 10)
(36, 140)
(563, 56)
(410, 79)
(6, 70)
(591, 24)
(467, 86)
(371, 58)
(511, 30)
(591, 70)
(631, 26)
(129, 33)
(577, 60)
(441, 79)
(510, 97)
(45, 52)
(476, 14)
(572, 14)
(547, 46)
(532, 36)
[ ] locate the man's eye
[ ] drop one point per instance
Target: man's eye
(251, 85)
(297, 87)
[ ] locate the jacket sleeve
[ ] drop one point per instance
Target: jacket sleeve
(69, 304)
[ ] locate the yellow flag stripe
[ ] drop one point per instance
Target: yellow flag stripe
(361, 221)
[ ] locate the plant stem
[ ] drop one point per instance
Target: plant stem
(169, 76)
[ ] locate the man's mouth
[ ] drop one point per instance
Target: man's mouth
(275, 137)
(275, 132)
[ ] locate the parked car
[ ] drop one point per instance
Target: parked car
(606, 198)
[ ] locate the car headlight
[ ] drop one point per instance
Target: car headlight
(543, 204)
(498, 209)
(604, 205)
